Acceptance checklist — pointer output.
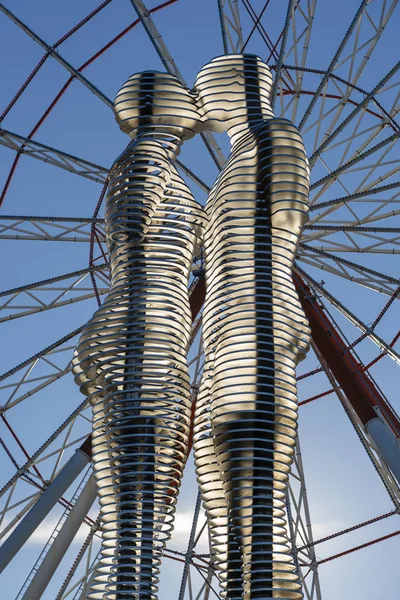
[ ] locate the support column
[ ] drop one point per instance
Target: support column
(39, 511)
(62, 542)
(378, 418)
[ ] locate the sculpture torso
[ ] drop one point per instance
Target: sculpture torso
(256, 210)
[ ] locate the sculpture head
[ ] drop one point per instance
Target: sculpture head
(234, 89)
(157, 100)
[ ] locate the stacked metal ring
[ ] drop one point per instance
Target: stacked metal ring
(132, 355)
(254, 333)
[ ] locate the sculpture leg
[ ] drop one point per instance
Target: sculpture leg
(134, 351)
(254, 412)
(147, 425)
(224, 547)
(108, 514)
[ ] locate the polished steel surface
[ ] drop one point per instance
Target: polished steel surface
(132, 356)
(254, 331)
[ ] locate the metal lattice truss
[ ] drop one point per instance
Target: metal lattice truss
(301, 531)
(389, 482)
(351, 135)
(52, 156)
(54, 229)
(51, 293)
(49, 365)
(231, 28)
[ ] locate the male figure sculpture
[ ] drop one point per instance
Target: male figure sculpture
(254, 331)
(132, 356)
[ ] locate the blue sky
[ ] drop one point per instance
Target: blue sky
(342, 484)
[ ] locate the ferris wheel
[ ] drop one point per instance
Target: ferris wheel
(337, 79)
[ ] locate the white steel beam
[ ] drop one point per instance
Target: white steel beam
(25, 468)
(62, 593)
(389, 482)
(56, 55)
(350, 316)
(166, 58)
(53, 156)
(61, 543)
(78, 461)
(231, 28)
(54, 229)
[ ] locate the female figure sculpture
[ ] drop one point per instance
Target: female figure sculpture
(132, 355)
(254, 331)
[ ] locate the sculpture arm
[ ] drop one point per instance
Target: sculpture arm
(285, 174)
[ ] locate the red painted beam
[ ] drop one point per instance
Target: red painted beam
(348, 372)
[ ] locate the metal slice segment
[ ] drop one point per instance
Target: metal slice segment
(255, 332)
(132, 356)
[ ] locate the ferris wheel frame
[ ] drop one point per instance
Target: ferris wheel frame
(347, 107)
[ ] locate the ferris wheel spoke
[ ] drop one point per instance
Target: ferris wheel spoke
(363, 239)
(231, 28)
(282, 50)
(355, 197)
(50, 364)
(69, 162)
(349, 270)
(385, 475)
(374, 216)
(340, 271)
(53, 156)
(57, 56)
(301, 528)
(351, 317)
(332, 177)
(60, 539)
(169, 63)
(24, 469)
(34, 297)
(362, 17)
(155, 37)
(65, 161)
(360, 107)
(54, 229)
(203, 186)
(11, 521)
(355, 228)
(386, 146)
(47, 493)
(301, 25)
(363, 242)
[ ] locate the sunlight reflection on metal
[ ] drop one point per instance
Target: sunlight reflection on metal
(132, 356)
(254, 331)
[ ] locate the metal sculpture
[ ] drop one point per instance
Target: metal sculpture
(254, 331)
(132, 356)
